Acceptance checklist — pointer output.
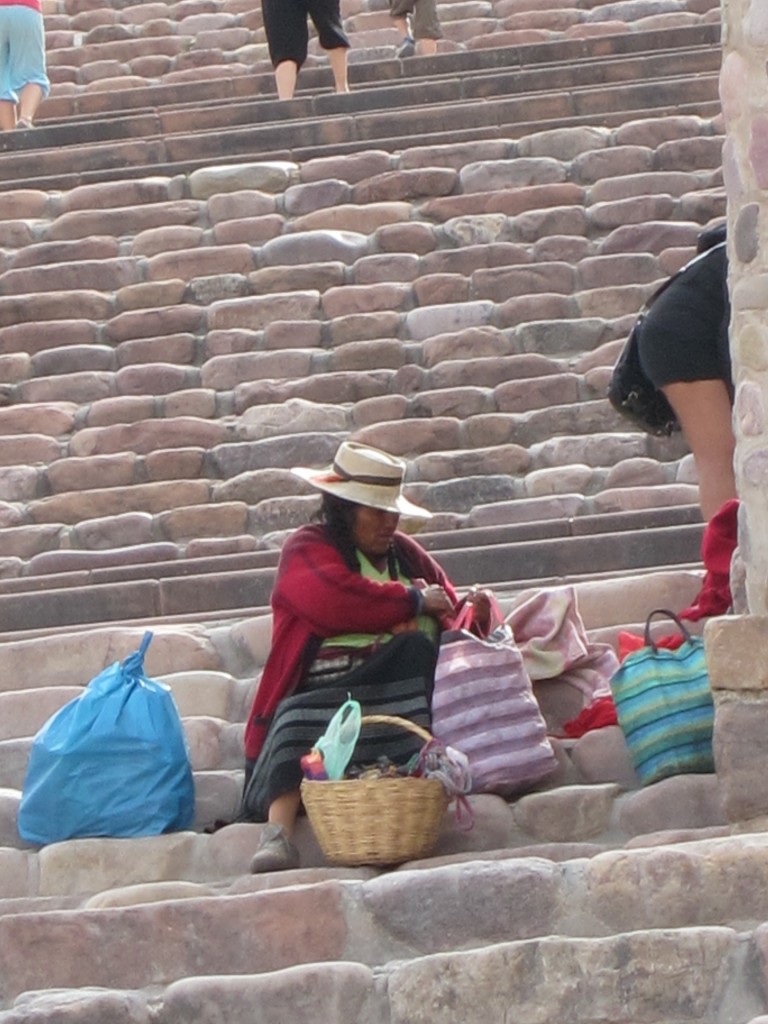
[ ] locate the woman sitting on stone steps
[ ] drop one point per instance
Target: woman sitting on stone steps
(357, 609)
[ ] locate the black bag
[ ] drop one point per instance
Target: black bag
(629, 391)
(634, 396)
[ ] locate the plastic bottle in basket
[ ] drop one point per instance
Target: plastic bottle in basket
(339, 740)
(313, 767)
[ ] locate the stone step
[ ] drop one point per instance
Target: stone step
(552, 820)
(479, 119)
(241, 589)
(229, 88)
(529, 111)
(377, 84)
(164, 559)
(414, 987)
(600, 912)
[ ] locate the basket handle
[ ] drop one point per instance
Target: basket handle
(396, 720)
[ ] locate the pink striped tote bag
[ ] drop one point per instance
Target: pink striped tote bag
(483, 705)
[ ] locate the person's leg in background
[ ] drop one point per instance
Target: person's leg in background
(286, 75)
(7, 115)
(703, 409)
(426, 27)
(338, 61)
(30, 98)
(326, 17)
(285, 25)
(399, 12)
(26, 62)
(8, 97)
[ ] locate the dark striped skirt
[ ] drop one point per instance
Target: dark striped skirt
(395, 680)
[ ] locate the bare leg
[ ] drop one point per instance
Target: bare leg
(426, 47)
(283, 811)
(286, 73)
(7, 115)
(401, 24)
(703, 409)
(30, 98)
(338, 61)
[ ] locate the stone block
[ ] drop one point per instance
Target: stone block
(256, 312)
(157, 378)
(18, 873)
(74, 507)
(218, 795)
(145, 436)
(122, 409)
(602, 755)
(739, 745)
(293, 416)
(619, 989)
(428, 321)
(147, 892)
(201, 693)
(343, 991)
(736, 653)
(9, 811)
(683, 801)
(22, 713)
(81, 1006)
(510, 897)
(221, 519)
(273, 176)
(86, 866)
(82, 474)
(94, 952)
(572, 813)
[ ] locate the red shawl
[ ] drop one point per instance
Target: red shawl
(316, 596)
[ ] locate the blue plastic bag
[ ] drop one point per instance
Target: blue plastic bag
(111, 762)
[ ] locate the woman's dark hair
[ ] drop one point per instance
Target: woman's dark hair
(338, 517)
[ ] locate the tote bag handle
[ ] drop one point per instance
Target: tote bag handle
(465, 616)
(671, 615)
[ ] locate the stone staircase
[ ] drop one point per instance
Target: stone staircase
(201, 287)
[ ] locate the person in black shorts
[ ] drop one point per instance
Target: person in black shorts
(285, 24)
(683, 349)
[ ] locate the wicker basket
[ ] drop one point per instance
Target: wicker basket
(376, 821)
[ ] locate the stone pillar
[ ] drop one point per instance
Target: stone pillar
(737, 659)
(737, 646)
(744, 97)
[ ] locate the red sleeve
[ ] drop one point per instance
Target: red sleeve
(316, 586)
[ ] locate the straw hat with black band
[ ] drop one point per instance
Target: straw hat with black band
(366, 476)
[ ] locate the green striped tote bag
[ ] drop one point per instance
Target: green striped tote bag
(664, 706)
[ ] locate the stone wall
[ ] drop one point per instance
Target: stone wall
(737, 646)
(744, 97)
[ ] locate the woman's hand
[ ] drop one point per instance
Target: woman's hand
(436, 601)
(481, 604)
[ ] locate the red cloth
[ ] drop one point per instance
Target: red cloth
(34, 4)
(597, 715)
(717, 547)
(316, 596)
(629, 642)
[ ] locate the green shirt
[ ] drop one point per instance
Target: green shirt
(425, 623)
